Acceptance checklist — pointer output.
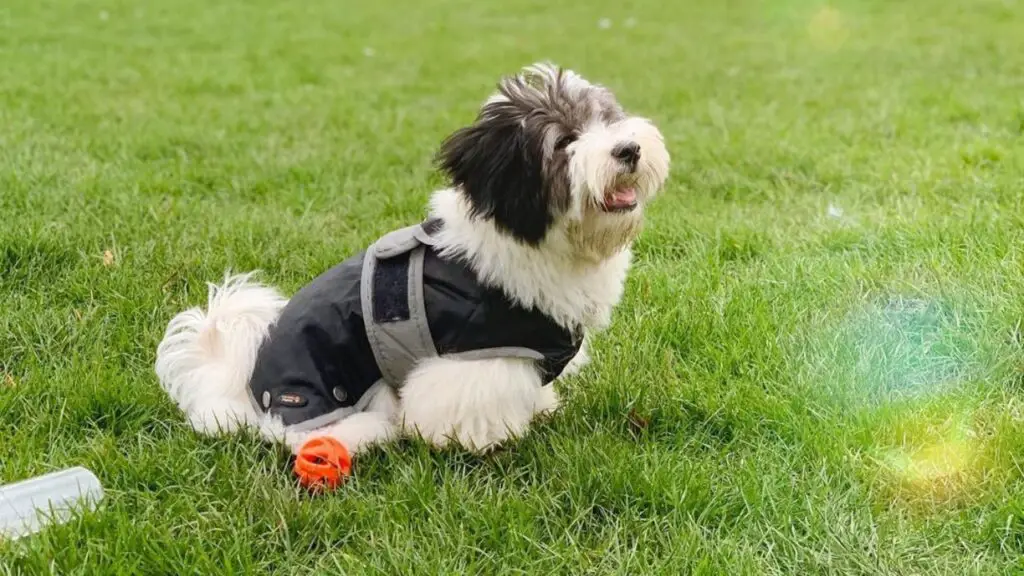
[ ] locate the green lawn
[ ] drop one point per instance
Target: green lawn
(818, 366)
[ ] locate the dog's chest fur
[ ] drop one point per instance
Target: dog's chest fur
(573, 294)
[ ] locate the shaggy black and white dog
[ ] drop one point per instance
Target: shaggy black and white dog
(548, 190)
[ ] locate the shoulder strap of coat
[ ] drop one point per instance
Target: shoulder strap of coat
(391, 293)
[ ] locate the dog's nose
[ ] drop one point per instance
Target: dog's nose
(628, 152)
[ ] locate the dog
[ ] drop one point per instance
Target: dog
(454, 328)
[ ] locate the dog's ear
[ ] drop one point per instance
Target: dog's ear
(499, 167)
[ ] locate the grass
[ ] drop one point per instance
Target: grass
(817, 367)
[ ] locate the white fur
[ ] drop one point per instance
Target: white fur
(206, 358)
(592, 167)
(575, 275)
(549, 277)
(477, 403)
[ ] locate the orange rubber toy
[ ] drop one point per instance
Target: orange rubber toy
(322, 463)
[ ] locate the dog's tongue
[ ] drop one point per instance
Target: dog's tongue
(624, 197)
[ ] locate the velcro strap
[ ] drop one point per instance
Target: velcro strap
(391, 289)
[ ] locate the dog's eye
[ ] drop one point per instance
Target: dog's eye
(565, 141)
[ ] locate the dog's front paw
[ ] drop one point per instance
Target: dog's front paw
(548, 401)
(473, 435)
(581, 359)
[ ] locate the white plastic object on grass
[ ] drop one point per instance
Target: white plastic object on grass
(28, 506)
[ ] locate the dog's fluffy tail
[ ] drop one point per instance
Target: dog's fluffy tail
(206, 358)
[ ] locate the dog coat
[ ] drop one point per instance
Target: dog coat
(366, 323)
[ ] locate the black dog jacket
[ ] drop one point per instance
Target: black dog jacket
(366, 323)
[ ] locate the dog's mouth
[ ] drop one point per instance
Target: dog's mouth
(621, 198)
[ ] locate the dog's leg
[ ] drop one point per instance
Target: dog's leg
(358, 431)
(548, 400)
(581, 359)
(476, 403)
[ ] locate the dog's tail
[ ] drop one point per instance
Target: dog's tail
(206, 358)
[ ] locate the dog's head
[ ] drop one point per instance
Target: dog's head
(550, 150)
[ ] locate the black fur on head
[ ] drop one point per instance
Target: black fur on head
(512, 163)
(498, 165)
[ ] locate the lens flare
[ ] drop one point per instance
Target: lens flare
(904, 349)
(902, 368)
(945, 465)
(827, 29)
(939, 462)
